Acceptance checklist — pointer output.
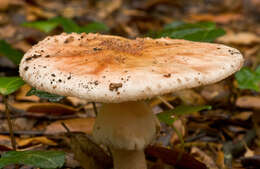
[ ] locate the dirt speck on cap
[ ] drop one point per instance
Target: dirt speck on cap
(69, 39)
(115, 86)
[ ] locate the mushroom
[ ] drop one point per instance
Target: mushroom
(121, 73)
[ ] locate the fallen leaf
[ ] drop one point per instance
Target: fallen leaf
(20, 124)
(76, 101)
(7, 31)
(220, 159)
(35, 140)
(216, 93)
(22, 45)
(190, 97)
(45, 108)
(220, 18)
(206, 159)
(38, 12)
(241, 38)
(251, 162)
(21, 94)
(5, 142)
(249, 152)
(108, 7)
(175, 157)
(242, 116)
(70, 161)
(248, 102)
(79, 124)
(5, 3)
(89, 154)
(155, 101)
(2, 107)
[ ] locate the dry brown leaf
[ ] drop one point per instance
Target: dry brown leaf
(248, 102)
(45, 108)
(216, 93)
(107, 7)
(190, 97)
(2, 107)
(156, 101)
(220, 159)
(204, 158)
(21, 94)
(221, 18)
(5, 141)
(241, 38)
(78, 124)
(76, 101)
(35, 140)
(33, 12)
(7, 31)
(22, 45)
(5, 3)
(90, 155)
(249, 152)
(242, 116)
(133, 12)
(20, 124)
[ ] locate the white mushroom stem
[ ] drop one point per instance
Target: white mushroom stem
(126, 128)
(128, 159)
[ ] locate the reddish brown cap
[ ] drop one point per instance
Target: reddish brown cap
(106, 68)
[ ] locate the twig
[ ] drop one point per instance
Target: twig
(7, 113)
(165, 102)
(65, 127)
(95, 108)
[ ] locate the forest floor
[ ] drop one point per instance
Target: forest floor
(225, 136)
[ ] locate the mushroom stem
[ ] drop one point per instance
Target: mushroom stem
(126, 128)
(128, 159)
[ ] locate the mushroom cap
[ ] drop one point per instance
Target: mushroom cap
(105, 68)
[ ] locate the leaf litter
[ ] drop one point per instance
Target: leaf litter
(211, 137)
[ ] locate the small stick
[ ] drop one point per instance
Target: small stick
(165, 102)
(95, 108)
(7, 113)
(65, 127)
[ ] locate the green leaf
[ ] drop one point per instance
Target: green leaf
(9, 85)
(45, 95)
(6, 50)
(40, 159)
(202, 31)
(44, 26)
(94, 27)
(68, 25)
(248, 79)
(170, 116)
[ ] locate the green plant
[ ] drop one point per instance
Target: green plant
(201, 32)
(248, 79)
(40, 159)
(170, 116)
(12, 54)
(68, 25)
(45, 95)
